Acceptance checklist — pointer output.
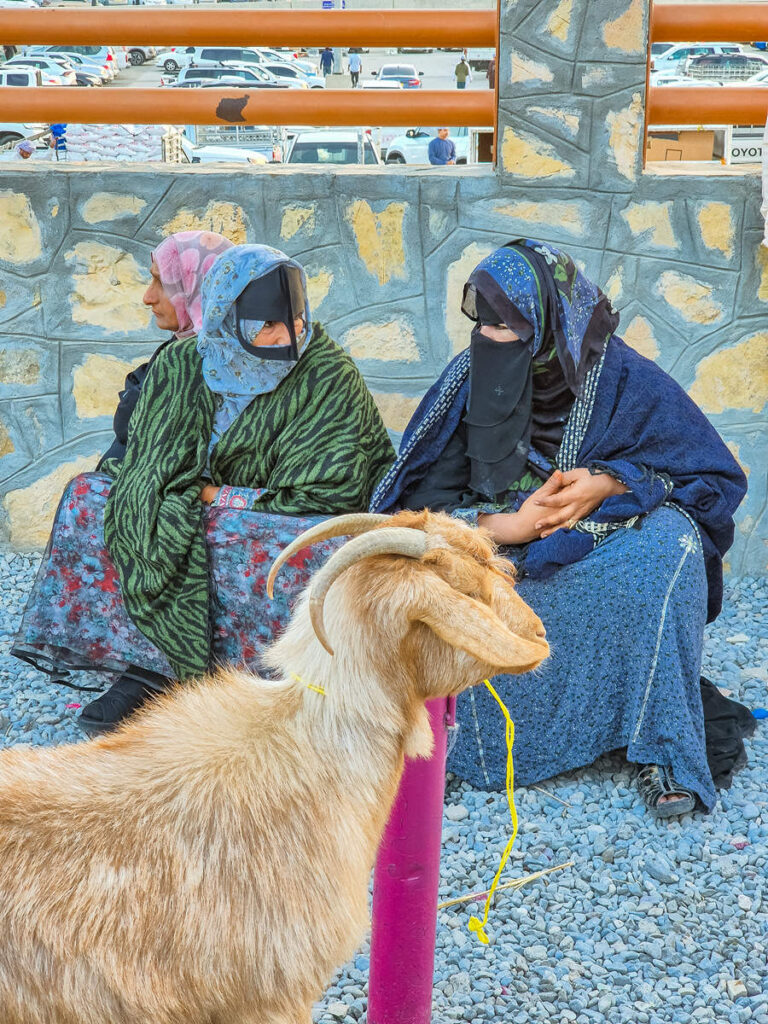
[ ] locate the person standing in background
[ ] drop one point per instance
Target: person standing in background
(490, 74)
(326, 61)
(441, 149)
(462, 73)
(355, 67)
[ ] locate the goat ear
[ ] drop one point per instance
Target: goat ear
(472, 627)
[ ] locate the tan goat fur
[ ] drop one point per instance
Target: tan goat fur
(209, 862)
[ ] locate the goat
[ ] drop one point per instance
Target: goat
(208, 862)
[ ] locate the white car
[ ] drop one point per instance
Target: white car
(207, 56)
(292, 73)
(413, 147)
(76, 60)
(221, 154)
(16, 4)
(11, 131)
(112, 58)
(304, 65)
(381, 84)
(674, 57)
(64, 73)
(254, 75)
(332, 148)
(24, 77)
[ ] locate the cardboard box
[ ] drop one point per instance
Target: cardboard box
(682, 145)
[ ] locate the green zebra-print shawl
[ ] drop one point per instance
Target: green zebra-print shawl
(316, 444)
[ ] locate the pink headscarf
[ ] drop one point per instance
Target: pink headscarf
(182, 261)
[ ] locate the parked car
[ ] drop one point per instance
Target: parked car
(11, 131)
(54, 68)
(221, 154)
(332, 148)
(674, 58)
(382, 83)
(291, 73)
(138, 55)
(77, 60)
(413, 146)
(112, 58)
(406, 74)
(254, 76)
(46, 77)
(25, 77)
(207, 56)
(18, 3)
(726, 66)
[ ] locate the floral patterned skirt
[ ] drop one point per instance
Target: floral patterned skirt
(75, 618)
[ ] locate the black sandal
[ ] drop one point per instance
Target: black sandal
(656, 781)
(119, 702)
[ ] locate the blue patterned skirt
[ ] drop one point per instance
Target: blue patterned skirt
(626, 628)
(75, 618)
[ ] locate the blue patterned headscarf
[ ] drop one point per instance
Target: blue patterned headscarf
(227, 368)
(525, 277)
(521, 393)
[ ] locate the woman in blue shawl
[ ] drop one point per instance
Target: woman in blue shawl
(613, 495)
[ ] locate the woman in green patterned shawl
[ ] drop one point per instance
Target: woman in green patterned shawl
(262, 410)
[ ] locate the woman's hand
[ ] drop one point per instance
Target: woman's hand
(579, 494)
(520, 527)
(209, 494)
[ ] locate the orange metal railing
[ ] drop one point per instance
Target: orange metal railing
(241, 27)
(701, 23)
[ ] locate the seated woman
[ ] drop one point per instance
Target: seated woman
(614, 497)
(178, 267)
(238, 436)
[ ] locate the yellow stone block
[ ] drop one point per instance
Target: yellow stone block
(625, 33)
(521, 154)
(625, 129)
(19, 366)
(614, 286)
(96, 382)
(639, 334)
(3, 299)
(6, 444)
(523, 69)
(396, 410)
(387, 342)
(762, 265)
(559, 21)
(555, 213)
(379, 238)
(733, 448)
(318, 286)
(31, 509)
(108, 288)
(20, 238)
(224, 218)
(717, 227)
(457, 327)
(734, 377)
(569, 121)
(106, 206)
(691, 298)
(295, 218)
(655, 219)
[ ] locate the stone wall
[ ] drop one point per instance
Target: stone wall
(387, 252)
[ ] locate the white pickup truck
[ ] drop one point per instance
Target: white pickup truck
(412, 148)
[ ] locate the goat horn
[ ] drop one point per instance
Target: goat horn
(341, 526)
(397, 540)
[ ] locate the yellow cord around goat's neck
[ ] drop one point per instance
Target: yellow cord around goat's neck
(475, 924)
(309, 686)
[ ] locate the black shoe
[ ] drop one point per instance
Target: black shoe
(113, 707)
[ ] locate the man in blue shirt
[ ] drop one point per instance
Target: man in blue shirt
(441, 149)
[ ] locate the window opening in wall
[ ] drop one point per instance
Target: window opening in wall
(706, 102)
(418, 69)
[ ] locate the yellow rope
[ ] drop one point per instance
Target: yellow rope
(309, 686)
(475, 924)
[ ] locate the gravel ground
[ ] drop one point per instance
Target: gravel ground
(655, 923)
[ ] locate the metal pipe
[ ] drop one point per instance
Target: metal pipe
(242, 28)
(702, 23)
(405, 890)
(247, 106)
(731, 104)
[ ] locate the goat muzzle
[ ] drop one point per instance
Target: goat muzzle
(351, 525)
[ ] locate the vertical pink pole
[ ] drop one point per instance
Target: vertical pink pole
(405, 886)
